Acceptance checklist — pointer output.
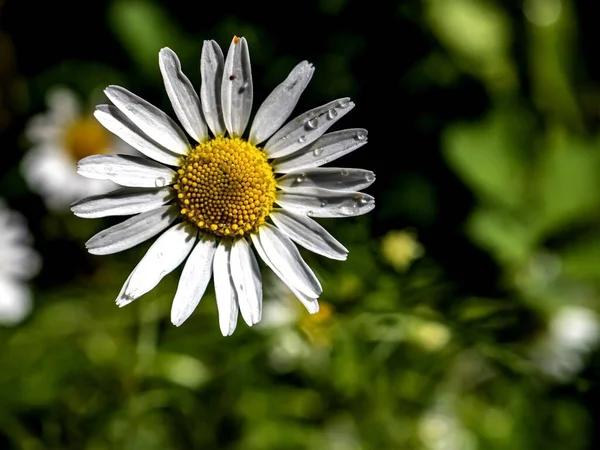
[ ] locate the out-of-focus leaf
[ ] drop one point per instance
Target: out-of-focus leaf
(144, 27)
(508, 240)
(478, 34)
(581, 259)
(567, 181)
(489, 156)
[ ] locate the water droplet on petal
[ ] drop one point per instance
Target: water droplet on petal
(302, 139)
(349, 208)
(312, 123)
(323, 203)
(344, 104)
(344, 173)
(370, 177)
(317, 151)
(160, 182)
(332, 113)
(159, 255)
(309, 213)
(300, 178)
(361, 135)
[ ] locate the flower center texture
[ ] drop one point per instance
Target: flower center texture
(226, 187)
(85, 137)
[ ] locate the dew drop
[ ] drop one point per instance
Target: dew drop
(317, 151)
(370, 177)
(361, 135)
(302, 139)
(312, 123)
(344, 173)
(160, 182)
(363, 201)
(344, 104)
(323, 203)
(159, 255)
(309, 213)
(300, 178)
(332, 113)
(349, 208)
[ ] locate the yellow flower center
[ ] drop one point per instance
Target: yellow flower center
(85, 137)
(226, 187)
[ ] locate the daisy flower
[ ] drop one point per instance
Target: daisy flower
(18, 263)
(61, 136)
(214, 199)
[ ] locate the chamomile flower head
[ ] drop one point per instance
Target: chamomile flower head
(18, 263)
(60, 137)
(226, 194)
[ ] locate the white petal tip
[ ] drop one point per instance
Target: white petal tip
(177, 321)
(313, 308)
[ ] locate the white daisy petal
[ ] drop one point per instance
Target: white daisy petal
(283, 254)
(278, 106)
(163, 256)
(306, 128)
(236, 87)
(132, 231)
(194, 279)
(311, 304)
(122, 202)
(116, 122)
(317, 202)
(184, 99)
(227, 303)
(328, 148)
(247, 281)
(309, 234)
(333, 178)
(126, 170)
(211, 69)
(148, 118)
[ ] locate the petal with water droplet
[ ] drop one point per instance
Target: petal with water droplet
(295, 135)
(338, 204)
(278, 106)
(122, 202)
(329, 147)
(163, 256)
(333, 178)
(126, 170)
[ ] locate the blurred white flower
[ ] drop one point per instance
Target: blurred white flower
(60, 137)
(18, 263)
(573, 332)
(440, 429)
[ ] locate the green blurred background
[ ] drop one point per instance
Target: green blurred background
(466, 314)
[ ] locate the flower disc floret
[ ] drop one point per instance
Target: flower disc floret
(226, 187)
